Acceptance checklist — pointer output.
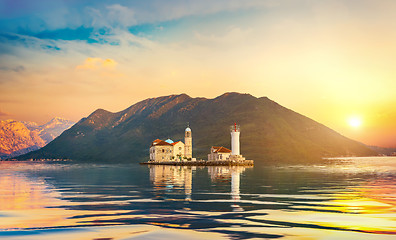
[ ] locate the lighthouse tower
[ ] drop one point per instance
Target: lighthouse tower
(188, 143)
(235, 131)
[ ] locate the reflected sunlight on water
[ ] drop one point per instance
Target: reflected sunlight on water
(353, 198)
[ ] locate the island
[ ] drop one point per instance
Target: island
(168, 152)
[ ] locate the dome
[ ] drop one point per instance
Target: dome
(188, 129)
(169, 140)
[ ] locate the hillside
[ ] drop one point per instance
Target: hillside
(18, 138)
(269, 132)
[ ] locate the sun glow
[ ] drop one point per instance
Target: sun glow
(355, 121)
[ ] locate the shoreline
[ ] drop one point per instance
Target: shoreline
(37, 160)
(203, 163)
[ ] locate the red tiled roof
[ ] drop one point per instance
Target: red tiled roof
(221, 150)
(158, 142)
(176, 143)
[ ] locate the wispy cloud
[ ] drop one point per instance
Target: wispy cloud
(232, 35)
(3, 114)
(18, 68)
(56, 14)
(12, 42)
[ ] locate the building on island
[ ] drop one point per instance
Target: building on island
(224, 154)
(219, 153)
(164, 151)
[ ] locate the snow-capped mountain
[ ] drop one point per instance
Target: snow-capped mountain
(18, 138)
(52, 129)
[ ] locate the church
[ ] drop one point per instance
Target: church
(168, 150)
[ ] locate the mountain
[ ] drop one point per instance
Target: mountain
(22, 137)
(50, 130)
(383, 150)
(269, 132)
(16, 138)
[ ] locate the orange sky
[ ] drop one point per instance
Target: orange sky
(328, 60)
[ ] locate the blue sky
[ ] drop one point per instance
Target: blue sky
(79, 19)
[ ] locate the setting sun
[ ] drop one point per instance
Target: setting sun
(355, 121)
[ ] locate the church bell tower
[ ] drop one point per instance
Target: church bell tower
(188, 143)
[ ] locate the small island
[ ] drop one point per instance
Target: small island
(168, 152)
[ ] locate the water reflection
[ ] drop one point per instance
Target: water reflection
(162, 176)
(26, 201)
(346, 199)
(232, 174)
(174, 177)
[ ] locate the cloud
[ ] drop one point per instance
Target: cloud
(17, 69)
(121, 15)
(10, 43)
(233, 35)
(97, 64)
(4, 114)
(160, 11)
(45, 15)
(110, 17)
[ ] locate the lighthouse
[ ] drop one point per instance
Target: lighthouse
(235, 131)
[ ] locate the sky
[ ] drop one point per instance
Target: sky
(332, 61)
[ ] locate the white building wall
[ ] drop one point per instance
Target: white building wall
(218, 156)
(161, 153)
(223, 156)
(178, 150)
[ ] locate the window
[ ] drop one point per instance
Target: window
(163, 150)
(179, 148)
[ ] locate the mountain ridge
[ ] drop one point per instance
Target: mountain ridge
(270, 132)
(19, 137)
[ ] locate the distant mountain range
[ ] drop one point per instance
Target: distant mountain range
(269, 132)
(384, 151)
(18, 138)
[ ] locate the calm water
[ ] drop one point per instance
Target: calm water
(343, 199)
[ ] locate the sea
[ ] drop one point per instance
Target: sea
(343, 198)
